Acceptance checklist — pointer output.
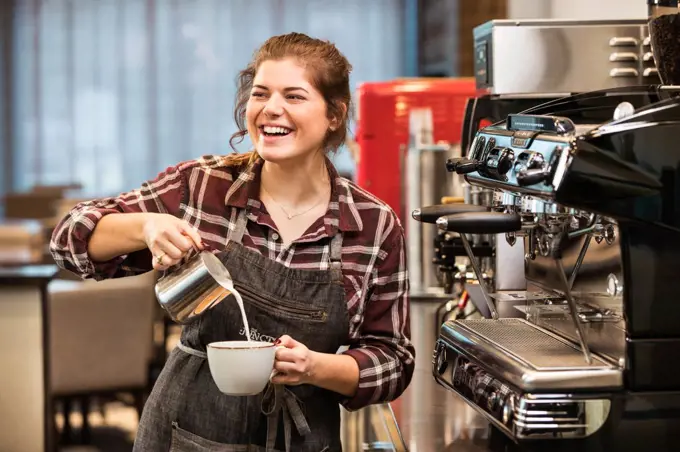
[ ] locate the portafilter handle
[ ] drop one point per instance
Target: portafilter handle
(480, 223)
(430, 214)
(462, 165)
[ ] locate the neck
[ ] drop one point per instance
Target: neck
(296, 183)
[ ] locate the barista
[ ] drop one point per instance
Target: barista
(321, 261)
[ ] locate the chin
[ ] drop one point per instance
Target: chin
(278, 154)
(282, 153)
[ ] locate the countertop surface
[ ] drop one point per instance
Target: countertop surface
(27, 275)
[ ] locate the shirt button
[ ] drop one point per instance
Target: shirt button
(275, 236)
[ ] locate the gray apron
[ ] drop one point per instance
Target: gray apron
(186, 412)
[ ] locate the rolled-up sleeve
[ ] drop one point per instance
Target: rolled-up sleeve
(71, 236)
(383, 348)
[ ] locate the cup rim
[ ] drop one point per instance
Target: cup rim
(222, 345)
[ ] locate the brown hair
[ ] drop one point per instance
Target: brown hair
(329, 71)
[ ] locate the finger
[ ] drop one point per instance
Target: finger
(179, 240)
(187, 230)
(161, 261)
(286, 354)
(287, 341)
(168, 249)
(287, 368)
(283, 379)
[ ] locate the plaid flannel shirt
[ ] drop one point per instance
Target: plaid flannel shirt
(208, 192)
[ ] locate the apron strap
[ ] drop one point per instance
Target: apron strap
(236, 235)
(279, 399)
(336, 257)
(192, 351)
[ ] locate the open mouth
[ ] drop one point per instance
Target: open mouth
(277, 131)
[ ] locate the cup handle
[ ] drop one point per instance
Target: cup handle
(274, 371)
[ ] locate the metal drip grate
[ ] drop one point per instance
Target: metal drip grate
(535, 347)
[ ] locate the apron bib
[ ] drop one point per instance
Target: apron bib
(187, 413)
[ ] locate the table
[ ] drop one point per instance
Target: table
(25, 410)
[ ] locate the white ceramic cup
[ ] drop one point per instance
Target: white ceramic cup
(241, 368)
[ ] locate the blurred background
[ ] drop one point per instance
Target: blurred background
(98, 96)
(107, 93)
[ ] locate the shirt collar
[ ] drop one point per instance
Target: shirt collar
(342, 214)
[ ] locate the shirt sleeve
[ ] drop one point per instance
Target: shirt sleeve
(383, 348)
(70, 238)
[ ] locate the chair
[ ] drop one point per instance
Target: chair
(100, 341)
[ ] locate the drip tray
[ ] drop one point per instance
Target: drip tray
(529, 357)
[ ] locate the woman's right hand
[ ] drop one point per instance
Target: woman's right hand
(169, 239)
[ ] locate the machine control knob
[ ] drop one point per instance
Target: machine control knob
(529, 160)
(614, 287)
(532, 176)
(506, 159)
(508, 410)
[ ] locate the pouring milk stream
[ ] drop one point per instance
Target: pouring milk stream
(195, 287)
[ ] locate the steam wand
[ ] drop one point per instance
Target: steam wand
(558, 241)
(480, 277)
(480, 223)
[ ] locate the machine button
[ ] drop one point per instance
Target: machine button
(520, 142)
(489, 147)
(479, 148)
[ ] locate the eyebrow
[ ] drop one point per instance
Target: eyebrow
(285, 90)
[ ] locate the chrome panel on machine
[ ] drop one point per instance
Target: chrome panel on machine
(532, 358)
(520, 414)
(554, 52)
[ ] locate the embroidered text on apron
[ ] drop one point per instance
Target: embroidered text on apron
(186, 412)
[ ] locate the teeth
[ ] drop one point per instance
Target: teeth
(281, 130)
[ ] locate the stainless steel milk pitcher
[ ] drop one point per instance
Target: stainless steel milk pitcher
(194, 287)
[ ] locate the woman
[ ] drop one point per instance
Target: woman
(320, 262)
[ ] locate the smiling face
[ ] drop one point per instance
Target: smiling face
(286, 116)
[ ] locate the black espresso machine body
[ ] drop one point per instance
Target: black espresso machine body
(594, 363)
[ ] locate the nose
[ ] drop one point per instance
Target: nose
(274, 106)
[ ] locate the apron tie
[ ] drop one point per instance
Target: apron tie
(279, 399)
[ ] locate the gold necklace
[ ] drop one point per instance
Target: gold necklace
(291, 216)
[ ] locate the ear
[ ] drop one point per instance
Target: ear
(337, 119)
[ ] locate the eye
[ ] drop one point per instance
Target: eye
(295, 97)
(257, 94)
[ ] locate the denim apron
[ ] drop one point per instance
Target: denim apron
(186, 412)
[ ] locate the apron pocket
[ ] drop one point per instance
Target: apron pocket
(281, 307)
(185, 441)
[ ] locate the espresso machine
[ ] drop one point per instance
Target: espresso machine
(591, 184)
(521, 64)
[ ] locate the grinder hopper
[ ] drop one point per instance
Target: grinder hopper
(664, 32)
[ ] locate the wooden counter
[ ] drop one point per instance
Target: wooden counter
(25, 411)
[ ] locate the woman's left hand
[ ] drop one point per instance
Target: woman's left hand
(294, 362)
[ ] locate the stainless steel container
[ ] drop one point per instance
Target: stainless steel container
(193, 288)
(426, 183)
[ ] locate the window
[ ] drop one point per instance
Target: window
(109, 93)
